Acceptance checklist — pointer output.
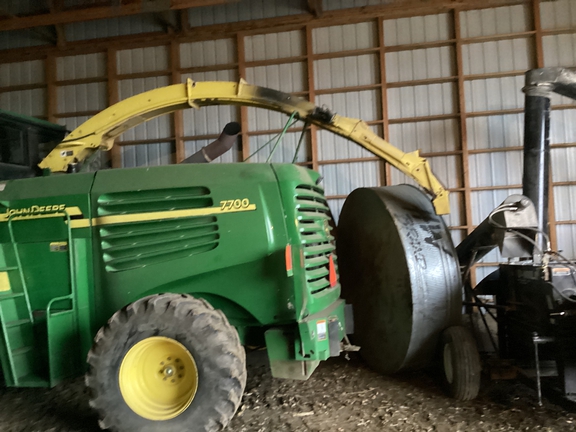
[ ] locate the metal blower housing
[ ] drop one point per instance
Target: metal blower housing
(400, 271)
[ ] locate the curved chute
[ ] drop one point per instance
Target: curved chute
(101, 130)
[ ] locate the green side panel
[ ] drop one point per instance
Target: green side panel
(44, 350)
(294, 349)
(63, 343)
(280, 343)
(305, 204)
(235, 258)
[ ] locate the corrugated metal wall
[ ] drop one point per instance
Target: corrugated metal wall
(158, 148)
(560, 50)
(340, 81)
(448, 84)
(30, 101)
(244, 11)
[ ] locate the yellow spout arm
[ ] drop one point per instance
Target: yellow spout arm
(101, 130)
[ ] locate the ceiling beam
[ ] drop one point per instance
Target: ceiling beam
(101, 12)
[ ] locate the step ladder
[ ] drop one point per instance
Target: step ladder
(21, 352)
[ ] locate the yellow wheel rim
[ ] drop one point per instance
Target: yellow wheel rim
(158, 378)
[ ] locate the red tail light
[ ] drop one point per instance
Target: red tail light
(288, 258)
(332, 275)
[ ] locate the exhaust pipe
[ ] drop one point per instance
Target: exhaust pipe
(217, 148)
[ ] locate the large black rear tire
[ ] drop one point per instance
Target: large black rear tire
(460, 363)
(210, 388)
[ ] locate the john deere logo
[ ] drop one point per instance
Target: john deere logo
(35, 209)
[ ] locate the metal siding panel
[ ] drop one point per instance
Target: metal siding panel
(365, 105)
(457, 236)
(274, 45)
(496, 169)
(24, 7)
(289, 78)
(156, 128)
(495, 21)
(494, 94)
(146, 155)
(72, 123)
(341, 179)
(207, 53)
(285, 150)
(22, 39)
(28, 102)
(456, 215)
(559, 50)
(565, 235)
(563, 161)
(419, 29)
(565, 202)
(22, 73)
(563, 126)
(346, 71)
(559, 14)
(333, 147)
(142, 60)
(428, 136)
(498, 56)
(81, 66)
(128, 25)
(336, 205)
(423, 100)
(344, 37)
(496, 131)
(231, 156)
(244, 10)
(82, 97)
(221, 75)
(260, 119)
(420, 64)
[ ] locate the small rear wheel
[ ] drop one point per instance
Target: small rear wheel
(169, 363)
(460, 363)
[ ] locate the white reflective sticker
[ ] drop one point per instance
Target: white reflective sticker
(321, 329)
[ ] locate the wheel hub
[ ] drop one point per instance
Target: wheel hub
(158, 378)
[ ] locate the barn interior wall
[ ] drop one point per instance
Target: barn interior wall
(447, 83)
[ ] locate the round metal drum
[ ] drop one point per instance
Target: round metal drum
(399, 269)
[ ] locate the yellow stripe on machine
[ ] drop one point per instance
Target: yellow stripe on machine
(155, 216)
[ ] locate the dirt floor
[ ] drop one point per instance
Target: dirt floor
(341, 396)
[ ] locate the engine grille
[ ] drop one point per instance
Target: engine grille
(133, 245)
(313, 217)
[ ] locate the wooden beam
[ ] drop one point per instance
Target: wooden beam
(465, 173)
(178, 116)
(385, 171)
(100, 12)
(113, 97)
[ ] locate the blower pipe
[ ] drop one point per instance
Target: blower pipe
(217, 148)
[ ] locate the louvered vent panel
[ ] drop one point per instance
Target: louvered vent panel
(313, 217)
(129, 245)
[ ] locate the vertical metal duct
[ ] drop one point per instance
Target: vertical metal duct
(535, 179)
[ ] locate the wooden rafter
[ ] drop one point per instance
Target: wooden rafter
(113, 9)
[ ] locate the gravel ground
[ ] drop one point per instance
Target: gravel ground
(341, 396)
